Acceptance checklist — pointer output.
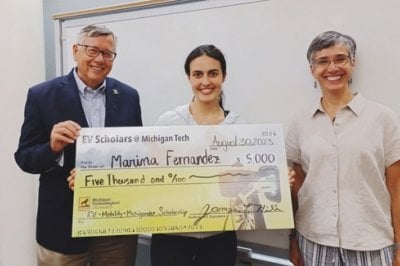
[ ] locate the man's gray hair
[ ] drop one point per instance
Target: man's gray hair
(95, 31)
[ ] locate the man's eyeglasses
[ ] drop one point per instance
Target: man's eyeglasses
(94, 52)
(338, 60)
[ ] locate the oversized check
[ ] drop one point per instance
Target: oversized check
(133, 180)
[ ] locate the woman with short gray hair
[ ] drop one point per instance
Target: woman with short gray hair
(346, 155)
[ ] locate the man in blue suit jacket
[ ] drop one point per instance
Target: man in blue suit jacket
(54, 112)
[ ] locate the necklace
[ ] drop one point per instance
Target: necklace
(333, 108)
(210, 118)
(330, 112)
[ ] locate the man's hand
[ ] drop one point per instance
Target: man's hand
(62, 134)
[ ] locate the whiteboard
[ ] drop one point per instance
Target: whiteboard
(265, 43)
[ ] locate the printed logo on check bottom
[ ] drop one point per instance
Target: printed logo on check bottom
(84, 204)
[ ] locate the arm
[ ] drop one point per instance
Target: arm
(295, 256)
(40, 145)
(393, 184)
(34, 154)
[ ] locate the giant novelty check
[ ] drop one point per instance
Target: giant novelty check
(133, 180)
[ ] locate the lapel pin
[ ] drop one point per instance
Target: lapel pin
(115, 91)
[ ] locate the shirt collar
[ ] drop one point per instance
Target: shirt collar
(355, 105)
(82, 86)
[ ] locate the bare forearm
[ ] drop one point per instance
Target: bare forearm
(393, 184)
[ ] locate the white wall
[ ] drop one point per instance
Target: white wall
(265, 44)
(21, 65)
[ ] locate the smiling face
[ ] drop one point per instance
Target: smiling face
(206, 78)
(93, 70)
(332, 68)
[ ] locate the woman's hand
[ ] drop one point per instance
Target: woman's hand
(396, 257)
(291, 174)
(71, 179)
(295, 255)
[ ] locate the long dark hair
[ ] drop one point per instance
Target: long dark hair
(213, 52)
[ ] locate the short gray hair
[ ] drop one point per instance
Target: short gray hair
(328, 39)
(95, 31)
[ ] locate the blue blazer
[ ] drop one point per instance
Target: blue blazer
(47, 104)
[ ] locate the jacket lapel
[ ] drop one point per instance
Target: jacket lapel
(112, 103)
(73, 105)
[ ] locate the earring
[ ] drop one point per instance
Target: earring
(315, 84)
(350, 81)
